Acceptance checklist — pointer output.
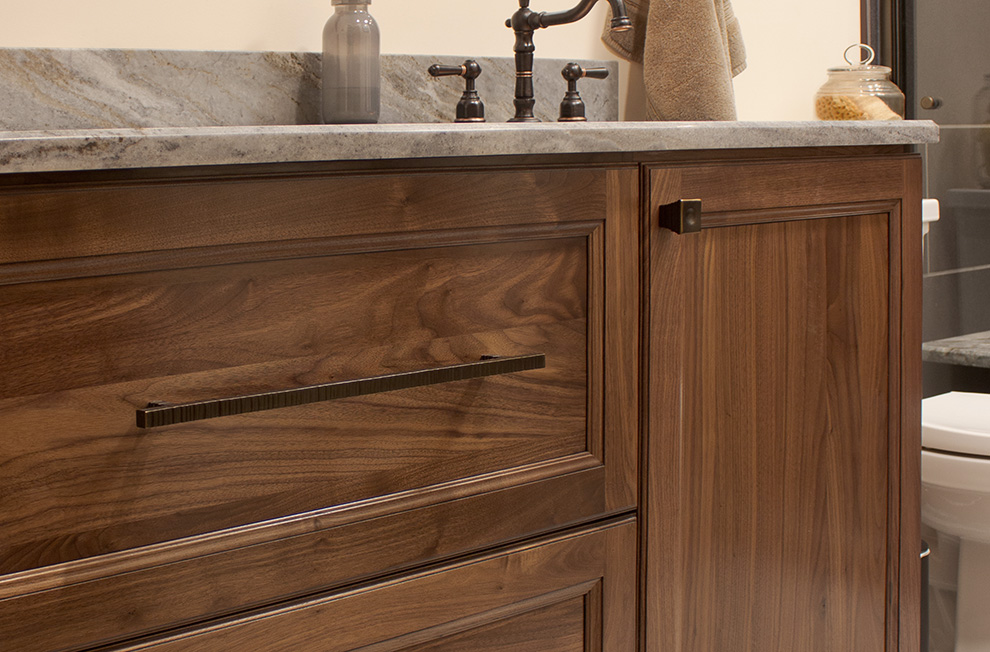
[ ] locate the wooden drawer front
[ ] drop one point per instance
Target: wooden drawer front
(126, 532)
(571, 593)
(80, 479)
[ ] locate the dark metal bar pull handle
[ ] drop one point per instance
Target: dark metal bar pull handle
(157, 415)
(682, 216)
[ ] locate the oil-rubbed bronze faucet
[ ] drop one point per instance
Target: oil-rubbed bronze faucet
(526, 21)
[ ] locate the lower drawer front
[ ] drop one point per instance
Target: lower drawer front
(569, 593)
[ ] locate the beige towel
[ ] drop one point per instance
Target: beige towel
(690, 51)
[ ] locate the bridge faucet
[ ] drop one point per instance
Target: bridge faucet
(525, 22)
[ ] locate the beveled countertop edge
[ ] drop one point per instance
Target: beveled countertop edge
(108, 149)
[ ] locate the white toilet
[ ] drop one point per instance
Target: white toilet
(955, 500)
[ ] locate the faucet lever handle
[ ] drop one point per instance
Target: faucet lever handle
(438, 70)
(469, 70)
(596, 73)
(573, 72)
(470, 108)
(572, 107)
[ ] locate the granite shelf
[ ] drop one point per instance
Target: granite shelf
(967, 350)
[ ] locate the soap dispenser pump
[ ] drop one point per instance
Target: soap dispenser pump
(351, 68)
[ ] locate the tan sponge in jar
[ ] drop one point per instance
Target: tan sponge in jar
(846, 107)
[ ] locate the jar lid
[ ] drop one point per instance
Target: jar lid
(876, 70)
(861, 65)
(334, 3)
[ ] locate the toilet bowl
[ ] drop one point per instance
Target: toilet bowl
(955, 500)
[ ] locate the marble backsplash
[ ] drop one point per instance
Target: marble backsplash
(46, 89)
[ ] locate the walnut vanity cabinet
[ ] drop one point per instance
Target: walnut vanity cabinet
(686, 442)
(781, 511)
(497, 508)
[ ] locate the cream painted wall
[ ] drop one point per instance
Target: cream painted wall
(789, 43)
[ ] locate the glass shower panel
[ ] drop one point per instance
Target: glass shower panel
(951, 63)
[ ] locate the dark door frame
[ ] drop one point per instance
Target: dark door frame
(888, 27)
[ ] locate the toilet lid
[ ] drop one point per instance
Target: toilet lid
(958, 422)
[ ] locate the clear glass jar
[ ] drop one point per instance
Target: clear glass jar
(859, 92)
(351, 69)
(981, 119)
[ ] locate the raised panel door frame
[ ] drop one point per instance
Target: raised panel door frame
(85, 591)
(888, 185)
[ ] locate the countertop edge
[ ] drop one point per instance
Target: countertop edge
(108, 149)
(971, 350)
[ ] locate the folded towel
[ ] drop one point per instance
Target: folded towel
(690, 51)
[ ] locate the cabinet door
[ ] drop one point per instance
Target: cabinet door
(781, 515)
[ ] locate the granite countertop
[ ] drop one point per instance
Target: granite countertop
(118, 109)
(968, 350)
(101, 149)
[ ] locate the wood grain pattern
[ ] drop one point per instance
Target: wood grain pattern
(788, 459)
(184, 289)
(116, 264)
(533, 576)
(74, 463)
(621, 373)
(120, 601)
(791, 213)
(114, 329)
(774, 428)
(768, 185)
(68, 221)
(672, 282)
(557, 628)
(617, 606)
(776, 355)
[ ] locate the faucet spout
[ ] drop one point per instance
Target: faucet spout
(620, 19)
(525, 22)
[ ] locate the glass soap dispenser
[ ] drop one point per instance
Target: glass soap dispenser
(351, 69)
